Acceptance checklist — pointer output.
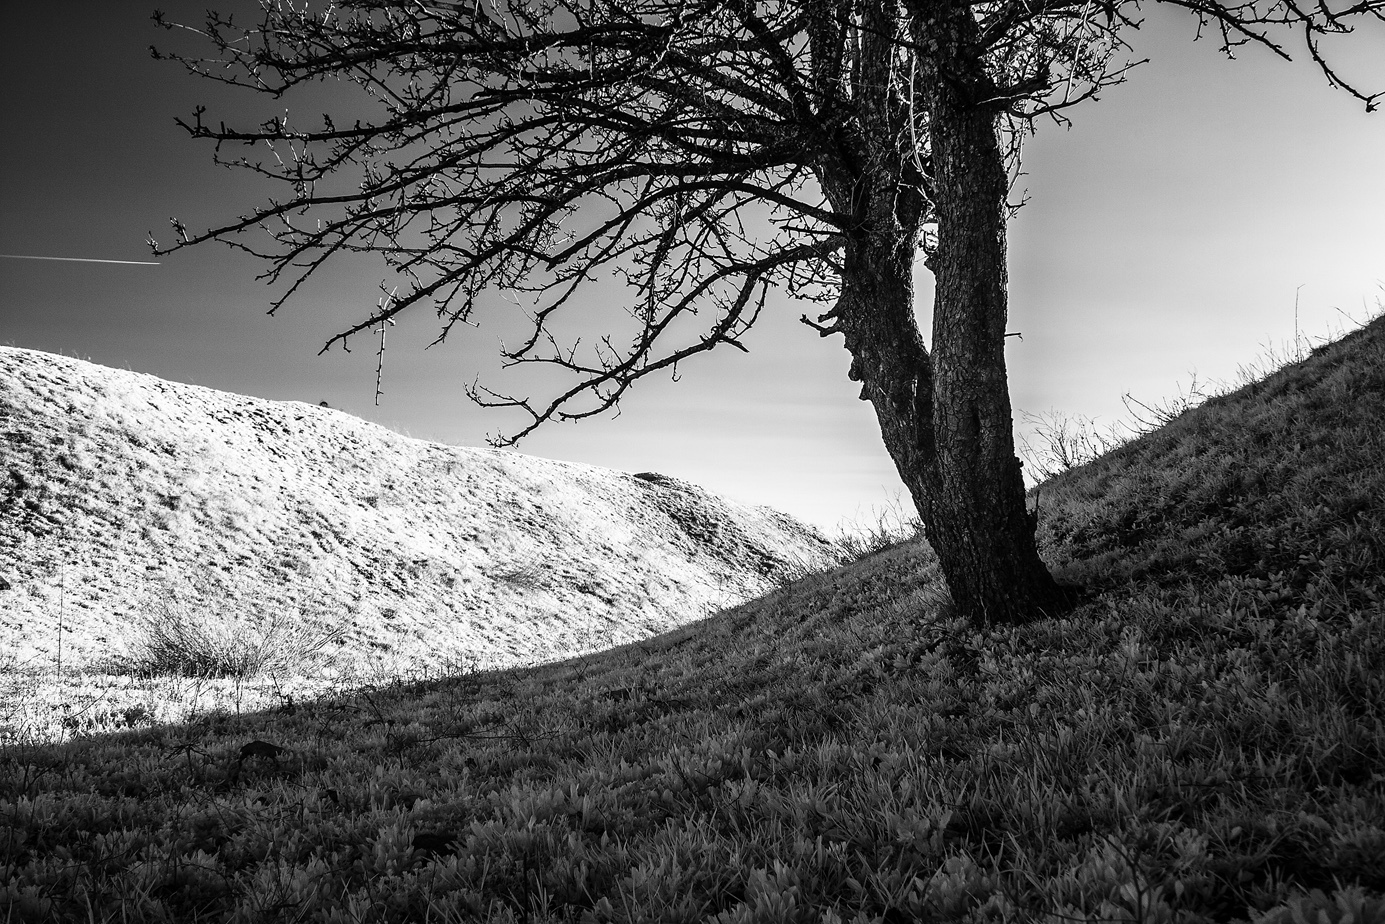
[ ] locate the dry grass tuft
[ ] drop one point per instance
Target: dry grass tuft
(178, 638)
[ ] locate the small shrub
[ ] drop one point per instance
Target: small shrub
(1150, 417)
(894, 523)
(793, 569)
(526, 573)
(184, 639)
(1062, 442)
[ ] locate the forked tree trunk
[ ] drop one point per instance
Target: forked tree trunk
(945, 414)
(975, 513)
(946, 423)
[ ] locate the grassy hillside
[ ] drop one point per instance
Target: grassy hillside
(1201, 740)
(156, 525)
(120, 491)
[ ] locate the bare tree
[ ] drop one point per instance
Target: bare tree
(707, 151)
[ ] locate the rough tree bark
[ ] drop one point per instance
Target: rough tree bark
(945, 415)
(946, 420)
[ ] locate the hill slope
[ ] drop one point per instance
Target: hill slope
(1280, 483)
(1202, 741)
(120, 492)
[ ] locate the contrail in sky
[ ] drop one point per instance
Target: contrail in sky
(17, 256)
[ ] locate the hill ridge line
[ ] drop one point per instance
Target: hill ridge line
(121, 491)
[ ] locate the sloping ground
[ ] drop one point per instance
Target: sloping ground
(1202, 740)
(121, 493)
(1278, 486)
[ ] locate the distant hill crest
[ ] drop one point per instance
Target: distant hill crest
(120, 491)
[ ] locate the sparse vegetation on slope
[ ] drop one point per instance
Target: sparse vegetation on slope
(1202, 740)
(120, 492)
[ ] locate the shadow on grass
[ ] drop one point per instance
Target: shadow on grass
(1203, 740)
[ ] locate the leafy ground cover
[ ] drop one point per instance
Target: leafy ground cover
(1201, 739)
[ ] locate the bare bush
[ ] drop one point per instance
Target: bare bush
(1060, 442)
(1150, 417)
(893, 523)
(526, 572)
(193, 639)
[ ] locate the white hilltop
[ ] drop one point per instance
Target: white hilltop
(122, 493)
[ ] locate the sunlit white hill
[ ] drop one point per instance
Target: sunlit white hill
(122, 494)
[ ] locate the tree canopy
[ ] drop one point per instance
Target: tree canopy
(706, 152)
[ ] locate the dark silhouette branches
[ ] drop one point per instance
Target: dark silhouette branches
(531, 151)
(522, 155)
(1271, 24)
(671, 127)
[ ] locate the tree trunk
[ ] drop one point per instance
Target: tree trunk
(977, 519)
(946, 417)
(946, 423)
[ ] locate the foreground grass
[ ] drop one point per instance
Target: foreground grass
(1202, 740)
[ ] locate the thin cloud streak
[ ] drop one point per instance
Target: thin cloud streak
(16, 256)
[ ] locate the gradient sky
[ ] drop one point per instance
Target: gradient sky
(1169, 231)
